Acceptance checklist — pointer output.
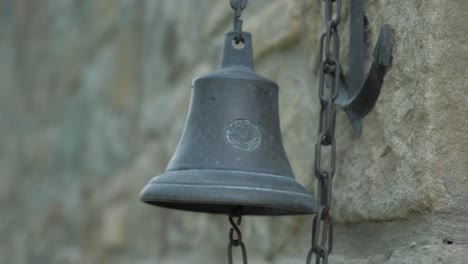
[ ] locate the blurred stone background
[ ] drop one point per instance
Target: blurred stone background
(93, 97)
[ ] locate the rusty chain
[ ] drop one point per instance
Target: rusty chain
(322, 224)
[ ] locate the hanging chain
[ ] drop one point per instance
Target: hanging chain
(322, 225)
(238, 6)
(236, 242)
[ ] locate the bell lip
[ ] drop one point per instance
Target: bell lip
(255, 199)
(238, 72)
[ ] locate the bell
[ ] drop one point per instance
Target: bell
(231, 155)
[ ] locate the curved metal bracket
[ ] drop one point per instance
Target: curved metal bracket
(358, 98)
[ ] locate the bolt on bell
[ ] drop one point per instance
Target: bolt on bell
(231, 155)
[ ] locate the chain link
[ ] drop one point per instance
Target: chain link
(322, 224)
(236, 242)
(238, 6)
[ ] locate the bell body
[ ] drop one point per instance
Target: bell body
(231, 155)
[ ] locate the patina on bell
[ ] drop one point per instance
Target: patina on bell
(231, 154)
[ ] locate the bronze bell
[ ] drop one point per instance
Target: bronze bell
(231, 154)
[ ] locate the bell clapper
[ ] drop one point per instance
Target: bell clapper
(236, 242)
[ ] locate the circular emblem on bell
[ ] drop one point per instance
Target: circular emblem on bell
(243, 135)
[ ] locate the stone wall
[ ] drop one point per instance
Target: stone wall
(93, 100)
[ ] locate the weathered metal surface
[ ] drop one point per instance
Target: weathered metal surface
(358, 96)
(231, 153)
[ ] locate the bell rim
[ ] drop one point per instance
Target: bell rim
(255, 199)
(241, 73)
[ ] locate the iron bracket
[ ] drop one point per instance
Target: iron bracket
(358, 96)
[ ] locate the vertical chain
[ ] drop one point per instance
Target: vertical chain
(322, 224)
(238, 6)
(236, 242)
